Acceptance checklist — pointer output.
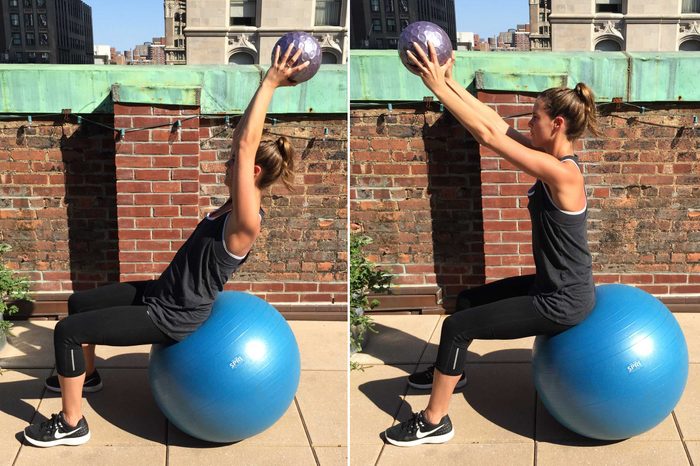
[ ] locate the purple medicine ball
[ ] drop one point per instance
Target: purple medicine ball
(311, 52)
(421, 32)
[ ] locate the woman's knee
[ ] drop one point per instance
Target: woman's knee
(75, 303)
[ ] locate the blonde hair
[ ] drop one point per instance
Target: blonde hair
(576, 106)
(276, 158)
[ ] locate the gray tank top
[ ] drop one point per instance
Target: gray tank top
(563, 289)
(180, 300)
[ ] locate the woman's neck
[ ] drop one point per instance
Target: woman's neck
(561, 148)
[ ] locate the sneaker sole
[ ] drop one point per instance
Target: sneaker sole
(430, 439)
(459, 385)
(72, 441)
(91, 389)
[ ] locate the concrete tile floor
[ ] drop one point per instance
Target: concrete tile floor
(128, 428)
(497, 417)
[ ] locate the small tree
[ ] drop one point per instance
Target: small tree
(365, 278)
(12, 288)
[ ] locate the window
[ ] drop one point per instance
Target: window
(393, 43)
(28, 20)
(177, 30)
(389, 6)
(380, 43)
(403, 6)
(243, 13)
(14, 20)
(404, 24)
(16, 38)
(391, 25)
(19, 57)
(690, 46)
(328, 12)
(377, 25)
(43, 38)
(43, 22)
(27, 3)
(31, 57)
(44, 57)
(14, 3)
(608, 45)
(374, 6)
(608, 6)
(241, 58)
(690, 6)
(329, 58)
(41, 3)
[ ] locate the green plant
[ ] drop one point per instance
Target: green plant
(365, 278)
(12, 288)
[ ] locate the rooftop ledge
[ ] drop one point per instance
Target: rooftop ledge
(218, 89)
(379, 76)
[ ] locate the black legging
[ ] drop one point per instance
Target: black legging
(111, 315)
(501, 310)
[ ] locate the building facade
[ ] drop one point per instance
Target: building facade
(540, 38)
(46, 31)
(615, 25)
(175, 21)
(377, 24)
(245, 31)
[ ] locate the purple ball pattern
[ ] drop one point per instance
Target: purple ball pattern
(311, 52)
(421, 32)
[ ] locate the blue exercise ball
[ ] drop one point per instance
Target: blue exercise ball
(618, 373)
(233, 377)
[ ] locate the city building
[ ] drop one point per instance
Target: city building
(540, 39)
(175, 21)
(102, 54)
(156, 51)
(245, 31)
(46, 31)
(377, 24)
(613, 25)
(465, 41)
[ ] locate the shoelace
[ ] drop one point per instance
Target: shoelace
(415, 423)
(50, 425)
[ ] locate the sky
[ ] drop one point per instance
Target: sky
(126, 23)
(488, 18)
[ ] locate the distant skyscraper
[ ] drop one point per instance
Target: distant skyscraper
(540, 38)
(377, 24)
(45, 31)
(175, 22)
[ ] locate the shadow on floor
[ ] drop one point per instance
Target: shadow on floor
(499, 406)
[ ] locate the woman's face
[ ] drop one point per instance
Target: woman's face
(542, 127)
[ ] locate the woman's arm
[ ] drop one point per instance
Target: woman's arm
(488, 130)
(243, 224)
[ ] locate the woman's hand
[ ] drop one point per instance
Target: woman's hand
(432, 74)
(450, 63)
(280, 72)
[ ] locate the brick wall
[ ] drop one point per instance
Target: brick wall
(83, 206)
(443, 210)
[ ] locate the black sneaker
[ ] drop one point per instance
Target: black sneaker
(93, 383)
(56, 431)
(424, 380)
(418, 430)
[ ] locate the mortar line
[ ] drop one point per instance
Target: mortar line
(680, 434)
(306, 431)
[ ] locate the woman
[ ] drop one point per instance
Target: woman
(561, 293)
(168, 309)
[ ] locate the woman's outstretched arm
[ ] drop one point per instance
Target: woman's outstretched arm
(487, 130)
(243, 224)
